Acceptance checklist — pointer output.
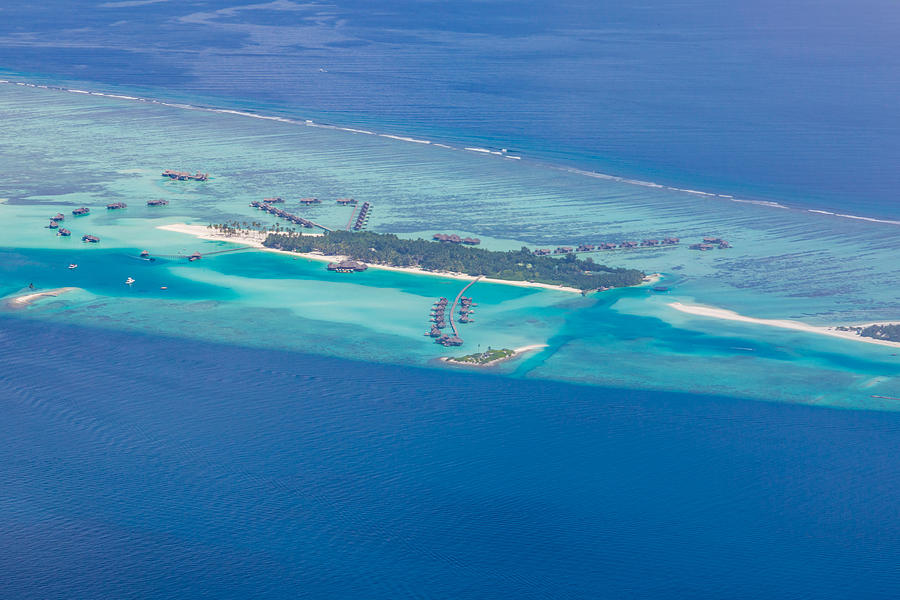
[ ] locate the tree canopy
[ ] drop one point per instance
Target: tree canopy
(514, 265)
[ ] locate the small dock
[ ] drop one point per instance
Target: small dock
(283, 214)
(196, 255)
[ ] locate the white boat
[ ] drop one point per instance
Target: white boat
(73, 266)
(129, 281)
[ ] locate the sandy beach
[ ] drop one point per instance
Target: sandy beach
(24, 300)
(256, 238)
(729, 315)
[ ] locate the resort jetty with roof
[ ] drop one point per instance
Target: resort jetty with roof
(363, 218)
(283, 214)
(185, 176)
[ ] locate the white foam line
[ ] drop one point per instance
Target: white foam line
(403, 139)
(858, 218)
(310, 123)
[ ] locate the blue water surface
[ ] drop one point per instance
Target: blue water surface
(794, 102)
(136, 466)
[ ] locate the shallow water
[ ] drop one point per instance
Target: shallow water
(792, 102)
(786, 263)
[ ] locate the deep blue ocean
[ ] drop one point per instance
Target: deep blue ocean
(791, 102)
(142, 466)
(145, 467)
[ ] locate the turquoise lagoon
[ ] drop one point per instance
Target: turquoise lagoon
(63, 149)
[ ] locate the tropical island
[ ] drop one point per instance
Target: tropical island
(888, 332)
(515, 265)
(483, 358)
(490, 357)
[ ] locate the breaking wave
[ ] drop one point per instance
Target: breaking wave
(502, 153)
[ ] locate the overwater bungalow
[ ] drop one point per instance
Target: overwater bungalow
(63, 232)
(53, 225)
(275, 200)
(701, 247)
(58, 217)
(650, 243)
(724, 244)
(308, 201)
(78, 212)
(185, 176)
(346, 201)
(628, 245)
(712, 240)
(454, 239)
(347, 266)
(195, 256)
(93, 239)
(585, 248)
(563, 250)
(363, 217)
(159, 202)
(116, 206)
(670, 241)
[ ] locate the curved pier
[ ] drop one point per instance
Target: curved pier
(456, 301)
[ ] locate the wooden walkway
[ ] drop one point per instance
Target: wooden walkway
(203, 253)
(456, 300)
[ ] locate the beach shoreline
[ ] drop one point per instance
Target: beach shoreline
(21, 301)
(256, 238)
(730, 315)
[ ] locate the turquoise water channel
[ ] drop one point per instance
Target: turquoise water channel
(64, 150)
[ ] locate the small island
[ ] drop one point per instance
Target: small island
(483, 359)
(514, 265)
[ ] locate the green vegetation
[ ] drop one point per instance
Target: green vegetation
(515, 265)
(890, 333)
(482, 358)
